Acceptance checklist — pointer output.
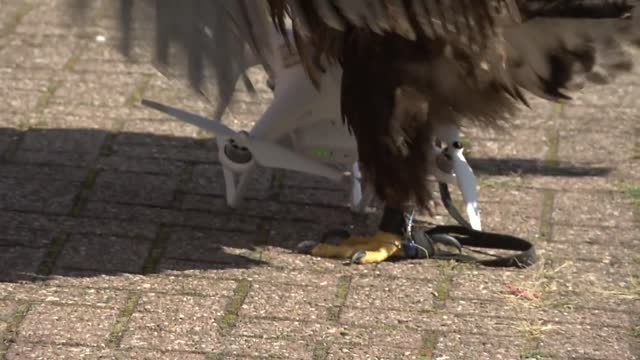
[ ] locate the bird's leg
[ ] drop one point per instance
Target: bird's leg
(385, 243)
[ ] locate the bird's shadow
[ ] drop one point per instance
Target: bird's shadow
(83, 202)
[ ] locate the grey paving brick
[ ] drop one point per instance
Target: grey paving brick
(19, 263)
(148, 166)
(132, 188)
(209, 180)
(28, 172)
(175, 323)
(165, 152)
(48, 158)
(587, 342)
(283, 329)
(458, 346)
(95, 90)
(77, 225)
(595, 209)
(372, 317)
(165, 126)
(54, 197)
(25, 350)
(241, 347)
(17, 101)
(8, 135)
(102, 253)
(70, 325)
(316, 196)
(373, 350)
(48, 52)
(75, 296)
(295, 303)
(25, 237)
(62, 140)
(7, 309)
(397, 294)
(209, 245)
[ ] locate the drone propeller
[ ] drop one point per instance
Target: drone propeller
(266, 153)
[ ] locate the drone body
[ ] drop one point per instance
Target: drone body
(307, 119)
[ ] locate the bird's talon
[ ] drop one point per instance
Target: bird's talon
(447, 240)
(358, 256)
(306, 247)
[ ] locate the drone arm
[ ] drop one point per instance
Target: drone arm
(293, 99)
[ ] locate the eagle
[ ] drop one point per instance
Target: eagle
(408, 66)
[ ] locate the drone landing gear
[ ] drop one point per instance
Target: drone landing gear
(362, 194)
(238, 166)
(451, 167)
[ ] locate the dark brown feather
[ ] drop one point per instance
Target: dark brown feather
(398, 86)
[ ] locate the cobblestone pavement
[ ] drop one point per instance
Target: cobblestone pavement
(116, 243)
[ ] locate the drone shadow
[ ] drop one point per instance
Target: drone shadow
(82, 202)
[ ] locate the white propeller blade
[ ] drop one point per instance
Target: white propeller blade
(270, 154)
(266, 153)
(200, 121)
(467, 185)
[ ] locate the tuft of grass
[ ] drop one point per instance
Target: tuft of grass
(429, 343)
(80, 201)
(500, 183)
(553, 148)
(629, 292)
(51, 90)
(546, 216)
(230, 317)
(122, 323)
(158, 247)
(532, 355)
(534, 329)
(544, 283)
(441, 293)
(53, 253)
(442, 289)
(320, 352)
(75, 57)
(633, 193)
(342, 292)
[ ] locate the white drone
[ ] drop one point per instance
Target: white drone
(302, 130)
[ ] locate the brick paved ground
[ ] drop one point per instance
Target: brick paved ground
(115, 243)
